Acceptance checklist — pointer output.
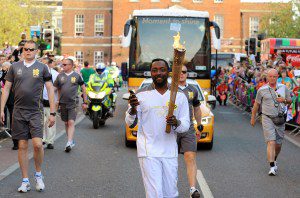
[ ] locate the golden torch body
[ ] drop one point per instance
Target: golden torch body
(178, 58)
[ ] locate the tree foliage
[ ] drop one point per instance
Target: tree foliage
(17, 16)
(282, 21)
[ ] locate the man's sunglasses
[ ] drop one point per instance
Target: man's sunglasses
(29, 49)
(184, 72)
(65, 64)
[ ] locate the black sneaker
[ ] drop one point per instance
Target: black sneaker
(68, 149)
(50, 146)
(15, 147)
(196, 194)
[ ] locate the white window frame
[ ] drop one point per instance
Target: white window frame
(99, 26)
(218, 1)
(98, 57)
(79, 56)
(175, 1)
(133, 0)
(155, 1)
(197, 1)
(219, 19)
(253, 26)
(79, 25)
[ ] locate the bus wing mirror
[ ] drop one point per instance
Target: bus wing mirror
(216, 28)
(127, 34)
(216, 34)
(216, 41)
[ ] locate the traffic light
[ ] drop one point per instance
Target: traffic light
(259, 38)
(48, 36)
(247, 46)
(56, 41)
(252, 46)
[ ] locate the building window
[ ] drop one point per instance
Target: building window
(175, 0)
(98, 57)
(218, 1)
(253, 26)
(155, 0)
(219, 19)
(133, 0)
(79, 57)
(197, 1)
(79, 25)
(99, 25)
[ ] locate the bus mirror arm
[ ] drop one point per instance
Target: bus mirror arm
(217, 29)
(127, 33)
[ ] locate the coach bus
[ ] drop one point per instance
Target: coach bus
(149, 34)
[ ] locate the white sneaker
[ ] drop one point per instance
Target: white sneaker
(40, 186)
(25, 186)
(276, 166)
(272, 171)
(69, 146)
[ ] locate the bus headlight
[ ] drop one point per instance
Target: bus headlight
(206, 120)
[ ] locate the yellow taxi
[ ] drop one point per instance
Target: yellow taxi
(205, 139)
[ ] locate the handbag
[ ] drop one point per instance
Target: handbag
(278, 120)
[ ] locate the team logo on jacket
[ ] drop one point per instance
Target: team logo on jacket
(19, 72)
(36, 73)
(191, 95)
(73, 79)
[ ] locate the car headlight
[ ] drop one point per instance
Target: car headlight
(101, 95)
(92, 94)
(206, 120)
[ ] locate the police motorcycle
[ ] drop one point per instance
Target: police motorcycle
(100, 102)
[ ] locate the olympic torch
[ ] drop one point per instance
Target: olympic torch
(178, 58)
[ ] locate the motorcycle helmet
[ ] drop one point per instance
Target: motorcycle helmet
(100, 67)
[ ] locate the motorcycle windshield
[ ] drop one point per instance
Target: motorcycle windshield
(96, 88)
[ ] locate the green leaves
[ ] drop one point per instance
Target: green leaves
(282, 21)
(17, 16)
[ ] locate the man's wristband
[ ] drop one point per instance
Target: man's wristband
(53, 114)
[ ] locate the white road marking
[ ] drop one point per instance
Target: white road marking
(203, 185)
(15, 166)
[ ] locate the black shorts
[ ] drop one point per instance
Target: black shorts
(68, 112)
(27, 124)
(187, 141)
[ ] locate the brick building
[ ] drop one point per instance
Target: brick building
(238, 19)
(87, 30)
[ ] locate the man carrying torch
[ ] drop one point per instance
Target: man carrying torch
(158, 150)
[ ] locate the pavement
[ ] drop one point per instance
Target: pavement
(100, 165)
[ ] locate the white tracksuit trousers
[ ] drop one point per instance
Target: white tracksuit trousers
(49, 133)
(160, 176)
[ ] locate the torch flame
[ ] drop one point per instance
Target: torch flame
(176, 43)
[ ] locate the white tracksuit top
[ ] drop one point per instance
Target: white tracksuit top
(152, 140)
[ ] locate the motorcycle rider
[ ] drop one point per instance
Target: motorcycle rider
(103, 76)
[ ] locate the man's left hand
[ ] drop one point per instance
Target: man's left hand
(51, 121)
(84, 107)
(171, 120)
